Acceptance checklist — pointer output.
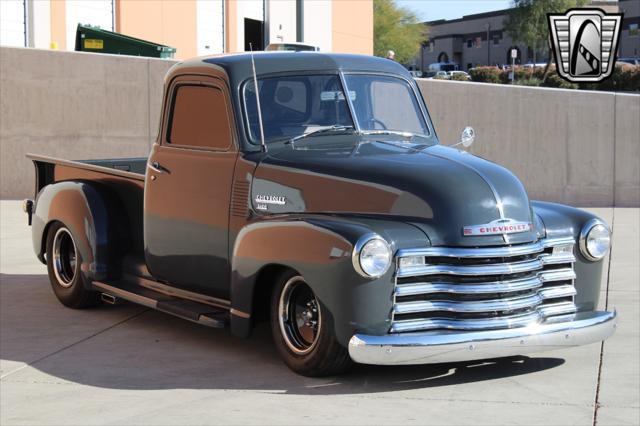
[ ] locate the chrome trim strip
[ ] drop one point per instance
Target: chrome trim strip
(435, 347)
(480, 288)
(177, 292)
(140, 299)
(558, 275)
(239, 313)
(347, 96)
(485, 288)
(555, 259)
(467, 324)
(554, 309)
(505, 304)
(557, 292)
(490, 269)
(517, 250)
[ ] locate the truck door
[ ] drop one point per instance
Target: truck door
(188, 187)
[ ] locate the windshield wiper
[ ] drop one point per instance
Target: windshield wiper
(406, 135)
(334, 128)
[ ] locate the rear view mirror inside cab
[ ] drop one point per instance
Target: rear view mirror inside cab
(336, 95)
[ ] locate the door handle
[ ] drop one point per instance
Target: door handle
(156, 167)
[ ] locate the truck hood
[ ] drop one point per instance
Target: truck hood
(441, 190)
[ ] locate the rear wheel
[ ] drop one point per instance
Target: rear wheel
(63, 266)
(303, 330)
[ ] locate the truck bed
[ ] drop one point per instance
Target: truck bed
(122, 176)
(50, 169)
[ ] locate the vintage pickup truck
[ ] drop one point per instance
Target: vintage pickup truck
(313, 193)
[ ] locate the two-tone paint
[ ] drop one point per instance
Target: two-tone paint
(218, 224)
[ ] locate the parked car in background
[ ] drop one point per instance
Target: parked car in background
(291, 47)
(535, 65)
(443, 66)
(312, 192)
(629, 60)
(438, 75)
(415, 73)
(458, 75)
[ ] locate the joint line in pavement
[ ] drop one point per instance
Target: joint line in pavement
(73, 344)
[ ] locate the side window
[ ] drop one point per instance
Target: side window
(200, 118)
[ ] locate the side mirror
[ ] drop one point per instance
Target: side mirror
(467, 137)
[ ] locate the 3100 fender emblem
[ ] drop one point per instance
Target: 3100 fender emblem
(263, 201)
(271, 199)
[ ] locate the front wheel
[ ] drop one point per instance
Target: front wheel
(63, 266)
(303, 330)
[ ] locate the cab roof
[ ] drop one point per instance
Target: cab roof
(238, 66)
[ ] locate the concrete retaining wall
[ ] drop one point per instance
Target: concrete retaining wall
(73, 105)
(575, 147)
(580, 148)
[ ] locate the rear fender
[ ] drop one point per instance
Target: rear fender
(90, 212)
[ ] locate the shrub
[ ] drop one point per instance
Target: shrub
(459, 77)
(554, 80)
(520, 73)
(625, 77)
(528, 82)
(538, 72)
(485, 74)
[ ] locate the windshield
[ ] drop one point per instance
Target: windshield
(386, 103)
(293, 106)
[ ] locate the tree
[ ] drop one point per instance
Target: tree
(527, 23)
(398, 29)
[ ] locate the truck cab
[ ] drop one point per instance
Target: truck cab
(311, 190)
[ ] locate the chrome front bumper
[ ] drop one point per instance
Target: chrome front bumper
(434, 347)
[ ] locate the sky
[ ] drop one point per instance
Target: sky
(430, 10)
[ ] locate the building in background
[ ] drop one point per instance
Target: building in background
(194, 27)
(630, 31)
(480, 39)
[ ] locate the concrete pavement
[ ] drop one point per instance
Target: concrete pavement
(124, 364)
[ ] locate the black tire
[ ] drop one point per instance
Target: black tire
(312, 352)
(63, 266)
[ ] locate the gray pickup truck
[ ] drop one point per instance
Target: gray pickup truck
(312, 192)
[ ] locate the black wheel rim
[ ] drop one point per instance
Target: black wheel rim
(64, 257)
(299, 316)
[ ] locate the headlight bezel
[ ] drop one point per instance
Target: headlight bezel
(357, 252)
(584, 239)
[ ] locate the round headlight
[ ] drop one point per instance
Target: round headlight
(595, 240)
(372, 257)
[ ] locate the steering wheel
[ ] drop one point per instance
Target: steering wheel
(376, 121)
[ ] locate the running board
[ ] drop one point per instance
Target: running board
(200, 313)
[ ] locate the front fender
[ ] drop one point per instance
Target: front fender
(320, 249)
(561, 221)
(85, 208)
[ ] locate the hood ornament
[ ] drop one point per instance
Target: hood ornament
(497, 227)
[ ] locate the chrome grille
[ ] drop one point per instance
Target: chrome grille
(449, 288)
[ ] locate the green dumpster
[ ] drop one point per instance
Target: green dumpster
(97, 40)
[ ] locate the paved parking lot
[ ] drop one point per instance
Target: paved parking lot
(125, 364)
